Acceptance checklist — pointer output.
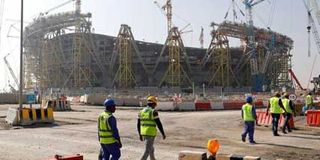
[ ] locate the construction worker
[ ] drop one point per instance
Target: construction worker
(249, 116)
(108, 132)
(309, 101)
(276, 109)
(148, 121)
(289, 106)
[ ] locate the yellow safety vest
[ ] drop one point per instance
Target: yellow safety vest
(147, 122)
(275, 108)
(309, 100)
(105, 132)
(247, 112)
(286, 105)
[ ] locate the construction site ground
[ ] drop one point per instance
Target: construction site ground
(76, 132)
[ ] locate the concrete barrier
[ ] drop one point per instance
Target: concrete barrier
(28, 116)
(12, 117)
(192, 155)
(220, 156)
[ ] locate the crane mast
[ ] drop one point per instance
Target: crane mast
(256, 78)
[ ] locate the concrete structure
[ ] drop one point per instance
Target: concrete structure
(61, 52)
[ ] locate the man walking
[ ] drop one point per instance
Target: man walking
(108, 132)
(248, 114)
(276, 109)
(148, 121)
(289, 106)
(309, 101)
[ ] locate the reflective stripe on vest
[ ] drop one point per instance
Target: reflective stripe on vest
(286, 105)
(147, 123)
(308, 100)
(275, 108)
(105, 133)
(247, 112)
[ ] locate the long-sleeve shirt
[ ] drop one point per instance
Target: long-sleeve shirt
(113, 125)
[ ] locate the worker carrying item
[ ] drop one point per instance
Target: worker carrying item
(309, 101)
(289, 106)
(249, 116)
(148, 121)
(276, 109)
(108, 132)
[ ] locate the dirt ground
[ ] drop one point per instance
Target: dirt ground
(76, 132)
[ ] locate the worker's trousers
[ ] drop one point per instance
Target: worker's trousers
(275, 122)
(112, 150)
(248, 129)
(286, 125)
(149, 149)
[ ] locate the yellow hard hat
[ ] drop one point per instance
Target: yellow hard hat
(152, 99)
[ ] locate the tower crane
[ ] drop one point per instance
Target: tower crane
(256, 77)
(167, 10)
(56, 7)
(313, 28)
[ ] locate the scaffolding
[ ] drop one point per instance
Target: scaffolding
(45, 40)
(272, 55)
(175, 74)
(218, 53)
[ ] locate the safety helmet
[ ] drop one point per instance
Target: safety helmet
(249, 99)
(109, 103)
(152, 99)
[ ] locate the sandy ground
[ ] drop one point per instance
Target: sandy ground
(76, 132)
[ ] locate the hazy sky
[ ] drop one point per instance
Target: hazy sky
(148, 23)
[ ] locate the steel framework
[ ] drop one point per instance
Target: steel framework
(44, 43)
(124, 47)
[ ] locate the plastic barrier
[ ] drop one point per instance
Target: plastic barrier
(73, 157)
(313, 118)
(186, 106)
(166, 106)
(202, 106)
(232, 105)
(217, 105)
(266, 120)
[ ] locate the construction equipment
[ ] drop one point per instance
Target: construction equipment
(312, 27)
(11, 71)
(293, 76)
(201, 38)
(251, 54)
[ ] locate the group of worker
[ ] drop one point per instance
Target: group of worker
(277, 105)
(147, 123)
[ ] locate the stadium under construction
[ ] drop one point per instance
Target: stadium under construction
(62, 52)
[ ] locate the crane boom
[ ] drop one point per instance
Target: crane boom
(313, 27)
(11, 71)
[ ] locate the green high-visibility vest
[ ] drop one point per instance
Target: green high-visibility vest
(105, 132)
(286, 105)
(309, 100)
(275, 108)
(147, 122)
(247, 112)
